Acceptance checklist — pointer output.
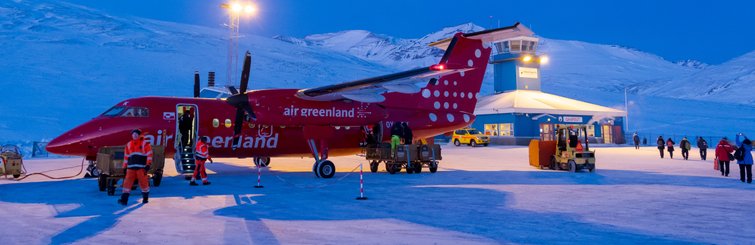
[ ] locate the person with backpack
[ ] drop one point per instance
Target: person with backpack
(703, 145)
(723, 151)
(670, 147)
(685, 146)
(743, 154)
(636, 139)
(661, 144)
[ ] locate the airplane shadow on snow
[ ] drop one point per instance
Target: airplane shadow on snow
(411, 198)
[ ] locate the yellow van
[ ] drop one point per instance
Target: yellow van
(469, 136)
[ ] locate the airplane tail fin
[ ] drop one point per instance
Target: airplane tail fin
(456, 92)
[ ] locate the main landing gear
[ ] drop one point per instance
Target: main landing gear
(323, 168)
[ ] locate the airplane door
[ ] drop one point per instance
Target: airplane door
(187, 131)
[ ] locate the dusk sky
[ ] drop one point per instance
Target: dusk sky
(709, 31)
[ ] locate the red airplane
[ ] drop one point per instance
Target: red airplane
(319, 122)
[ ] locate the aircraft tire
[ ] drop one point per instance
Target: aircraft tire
(326, 169)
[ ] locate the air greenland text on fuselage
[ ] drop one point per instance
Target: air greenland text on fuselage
(293, 111)
(247, 142)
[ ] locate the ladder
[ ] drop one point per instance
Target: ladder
(185, 160)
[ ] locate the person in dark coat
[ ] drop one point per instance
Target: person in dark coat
(685, 146)
(703, 145)
(408, 135)
(661, 145)
(636, 139)
(745, 165)
(377, 132)
(723, 149)
(185, 123)
(670, 147)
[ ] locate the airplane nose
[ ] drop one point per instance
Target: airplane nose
(60, 145)
(71, 143)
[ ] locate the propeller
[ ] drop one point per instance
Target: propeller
(240, 100)
(196, 84)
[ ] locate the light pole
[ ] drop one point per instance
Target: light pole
(235, 10)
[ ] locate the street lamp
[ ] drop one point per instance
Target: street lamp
(235, 10)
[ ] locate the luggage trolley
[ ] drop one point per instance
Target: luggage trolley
(410, 157)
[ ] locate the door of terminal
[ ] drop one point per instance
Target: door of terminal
(546, 132)
(607, 132)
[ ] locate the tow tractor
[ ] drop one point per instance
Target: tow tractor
(11, 161)
(410, 157)
(570, 154)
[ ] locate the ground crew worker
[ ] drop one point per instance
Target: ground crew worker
(202, 154)
(137, 159)
(408, 135)
(396, 133)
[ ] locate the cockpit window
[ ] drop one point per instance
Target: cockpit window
(135, 112)
(115, 111)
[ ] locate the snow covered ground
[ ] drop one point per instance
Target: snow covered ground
(480, 195)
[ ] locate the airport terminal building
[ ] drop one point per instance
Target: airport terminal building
(519, 111)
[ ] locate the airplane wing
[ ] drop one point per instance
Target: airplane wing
(370, 90)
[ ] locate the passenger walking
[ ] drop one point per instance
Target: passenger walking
(685, 146)
(636, 139)
(408, 135)
(703, 145)
(137, 159)
(201, 155)
(745, 164)
(670, 147)
(723, 153)
(661, 145)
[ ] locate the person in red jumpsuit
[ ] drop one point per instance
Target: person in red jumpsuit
(201, 155)
(137, 159)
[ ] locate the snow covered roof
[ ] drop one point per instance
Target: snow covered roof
(529, 101)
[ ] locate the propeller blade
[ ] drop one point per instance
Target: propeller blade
(245, 72)
(249, 111)
(241, 102)
(233, 90)
(196, 84)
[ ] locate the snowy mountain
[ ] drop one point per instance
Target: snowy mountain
(692, 63)
(573, 63)
(732, 81)
(383, 49)
(64, 64)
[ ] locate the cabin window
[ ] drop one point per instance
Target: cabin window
(115, 111)
(135, 112)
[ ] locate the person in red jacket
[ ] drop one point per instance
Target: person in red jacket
(137, 159)
(722, 154)
(202, 154)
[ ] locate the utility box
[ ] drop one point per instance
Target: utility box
(541, 153)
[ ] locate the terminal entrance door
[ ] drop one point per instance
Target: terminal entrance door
(607, 131)
(546, 132)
